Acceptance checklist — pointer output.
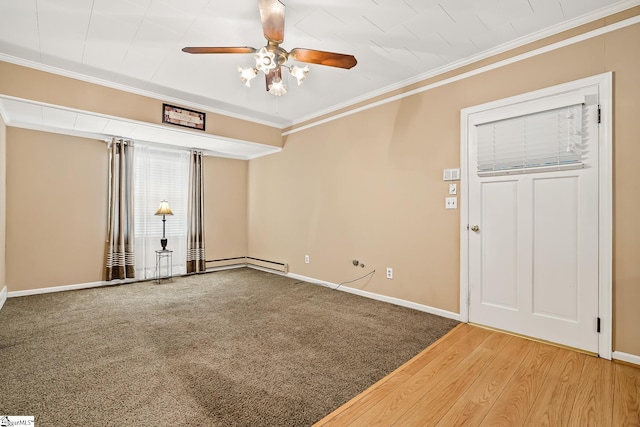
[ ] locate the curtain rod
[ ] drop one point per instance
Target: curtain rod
(169, 147)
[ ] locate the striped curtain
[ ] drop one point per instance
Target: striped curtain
(120, 262)
(195, 236)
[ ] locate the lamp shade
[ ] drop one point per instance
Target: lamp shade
(164, 209)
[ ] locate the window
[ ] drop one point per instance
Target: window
(160, 174)
(538, 141)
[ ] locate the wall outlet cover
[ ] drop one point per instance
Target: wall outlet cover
(451, 203)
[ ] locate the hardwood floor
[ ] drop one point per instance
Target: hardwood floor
(477, 377)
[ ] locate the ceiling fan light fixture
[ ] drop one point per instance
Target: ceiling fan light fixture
(265, 60)
(277, 87)
(270, 59)
(247, 74)
(299, 73)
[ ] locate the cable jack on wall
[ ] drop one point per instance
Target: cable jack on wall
(356, 263)
(354, 280)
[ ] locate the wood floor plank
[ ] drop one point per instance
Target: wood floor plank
(555, 402)
(355, 409)
(400, 400)
(374, 394)
(593, 405)
(626, 401)
(465, 379)
(518, 396)
(438, 400)
(426, 356)
(471, 408)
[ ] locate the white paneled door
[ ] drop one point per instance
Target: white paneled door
(533, 232)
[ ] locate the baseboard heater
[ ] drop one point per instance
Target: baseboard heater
(247, 260)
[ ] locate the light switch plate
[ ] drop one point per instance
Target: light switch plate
(453, 189)
(451, 174)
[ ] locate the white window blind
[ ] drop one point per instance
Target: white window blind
(541, 141)
(160, 174)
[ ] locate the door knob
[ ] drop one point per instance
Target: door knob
(475, 228)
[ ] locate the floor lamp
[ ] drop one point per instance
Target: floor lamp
(164, 210)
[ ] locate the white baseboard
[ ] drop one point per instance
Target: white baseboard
(378, 297)
(403, 303)
(3, 296)
(626, 357)
(63, 288)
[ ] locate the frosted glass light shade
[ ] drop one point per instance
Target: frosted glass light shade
(299, 73)
(277, 88)
(247, 74)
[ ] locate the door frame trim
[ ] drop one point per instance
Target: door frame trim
(605, 196)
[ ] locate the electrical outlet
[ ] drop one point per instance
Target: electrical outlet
(389, 273)
(306, 259)
(451, 203)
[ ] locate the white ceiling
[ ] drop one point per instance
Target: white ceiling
(136, 44)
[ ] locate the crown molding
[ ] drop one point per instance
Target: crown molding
(567, 42)
(505, 47)
(536, 36)
(125, 88)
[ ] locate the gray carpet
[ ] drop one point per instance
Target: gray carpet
(231, 348)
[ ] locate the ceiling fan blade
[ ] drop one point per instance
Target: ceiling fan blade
(273, 75)
(243, 49)
(272, 16)
(323, 58)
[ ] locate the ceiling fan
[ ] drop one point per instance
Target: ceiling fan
(271, 58)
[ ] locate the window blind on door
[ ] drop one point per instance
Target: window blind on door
(540, 141)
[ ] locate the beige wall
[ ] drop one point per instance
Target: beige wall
(57, 203)
(3, 200)
(369, 185)
(27, 83)
(56, 209)
(348, 190)
(225, 208)
(622, 55)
